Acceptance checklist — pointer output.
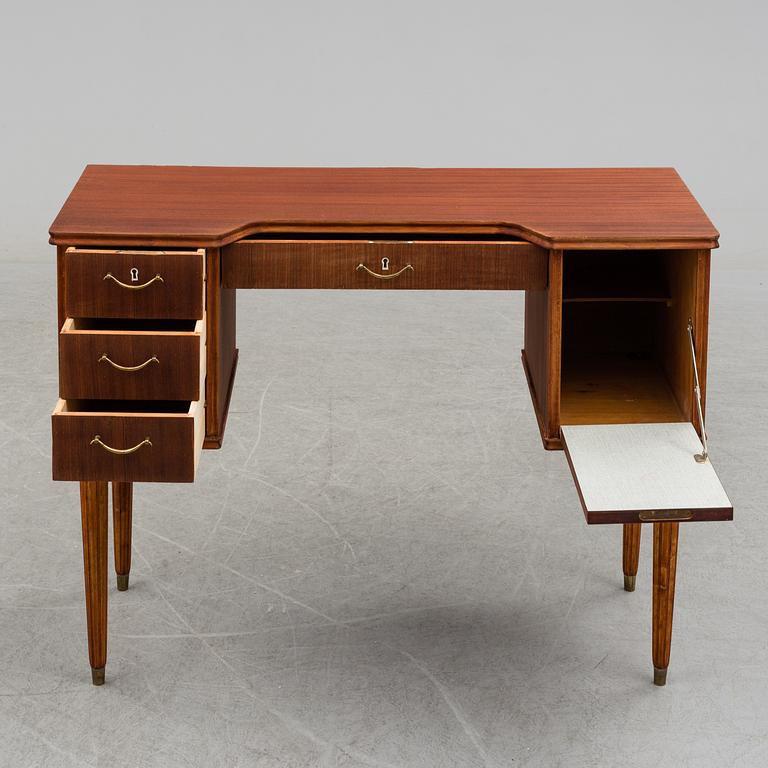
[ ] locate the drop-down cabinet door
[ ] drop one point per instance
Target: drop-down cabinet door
(634, 473)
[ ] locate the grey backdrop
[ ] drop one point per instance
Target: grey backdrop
(382, 566)
(384, 83)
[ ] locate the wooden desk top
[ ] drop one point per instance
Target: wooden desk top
(554, 207)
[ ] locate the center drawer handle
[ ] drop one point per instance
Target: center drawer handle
(384, 277)
(105, 359)
(110, 276)
(120, 451)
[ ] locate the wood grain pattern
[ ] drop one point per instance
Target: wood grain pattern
(536, 343)
(221, 350)
(535, 353)
(61, 307)
(630, 554)
(701, 330)
(542, 352)
(169, 425)
(665, 537)
(553, 207)
(88, 294)
(674, 347)
(464, 265)
(93, 509)
(554, 344)
(549, 444)
(122, 521)
(175, 376)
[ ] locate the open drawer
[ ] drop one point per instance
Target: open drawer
(127, 441)
(115, 359)
(635, 473)
(134, 283)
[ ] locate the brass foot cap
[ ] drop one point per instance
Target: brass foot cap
(629, 583)
(122, 581)
(97, 675)
(659, 676)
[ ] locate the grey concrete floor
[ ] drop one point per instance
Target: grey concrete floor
(382, 566)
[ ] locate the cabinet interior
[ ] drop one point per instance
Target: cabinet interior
(625, 349)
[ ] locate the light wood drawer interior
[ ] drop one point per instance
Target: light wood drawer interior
(116, 359)
(402, 264)
(130, 441)
(134, 284)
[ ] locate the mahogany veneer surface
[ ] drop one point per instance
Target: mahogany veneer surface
(553, 207)
(174, 374)
(88, 294)
(422, 265)
(171, 458)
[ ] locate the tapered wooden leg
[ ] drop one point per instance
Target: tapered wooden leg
(631, 554)
(664, 569)
(93, 508)
(122, 506)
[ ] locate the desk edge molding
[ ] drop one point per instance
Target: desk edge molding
(62, 236)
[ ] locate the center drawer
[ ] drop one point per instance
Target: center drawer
(127, 441)
(401, 264)
(131, 359)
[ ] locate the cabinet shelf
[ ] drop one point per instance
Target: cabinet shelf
(605, 288)
(593, 277)
(640, 298)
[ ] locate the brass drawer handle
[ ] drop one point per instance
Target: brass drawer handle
(110, 276)
(664, 516)
(384, 277)
(120, 451)
(105, 359)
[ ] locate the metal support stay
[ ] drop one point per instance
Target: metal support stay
(700, 457)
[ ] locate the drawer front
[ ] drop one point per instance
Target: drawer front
(425, 264)
(130, 364)
(133, 284)
(152, 447)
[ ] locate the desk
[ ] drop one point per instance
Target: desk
(615, 268)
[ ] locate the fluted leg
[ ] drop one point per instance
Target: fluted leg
(122, 507)
(631, 554)
(93, 508)
(664, 569)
